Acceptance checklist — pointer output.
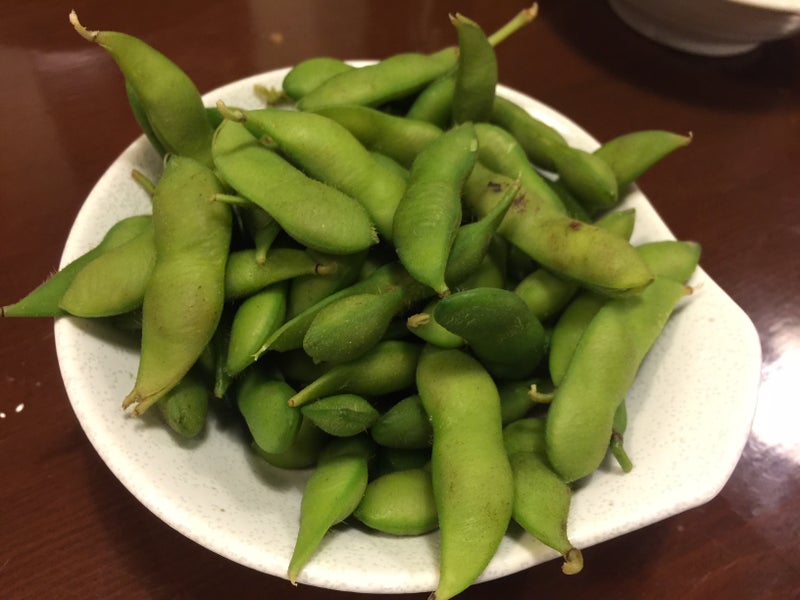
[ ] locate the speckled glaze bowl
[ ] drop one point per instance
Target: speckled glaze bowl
(711, 27)
(690, 412)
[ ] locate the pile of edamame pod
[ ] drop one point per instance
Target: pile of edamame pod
(396, 278)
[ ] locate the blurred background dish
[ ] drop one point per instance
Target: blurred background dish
(711, 27)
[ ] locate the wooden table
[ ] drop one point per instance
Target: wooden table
(68, 528)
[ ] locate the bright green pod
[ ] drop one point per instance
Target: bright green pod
(600, 373)
(536, 137)
(185, 293)
(351, 326)
(434, 104)
(262, 229)
(581, 251)
(631, 154)
(342, 415)
(327, 151)
(141, 118)
(44, 300)
(169, 99)
(499, 328)
(500, 152)
(476, 72)
(306, 290)
(262, 401)
(331, 495)
(397, 137)
(515, 398)
(115, 282)
(316, 215)
(309, 74)
(255, 319)
(588, 177)
(675, 259)
(424, 325)
(185, 407)
(547, 293)
(399, 503)
(472, 480)
(568, 331)
(389, 368)
(429, 214)
(303, 453)
(404, 425)
(244, 275)
(395, 77)
(527, 436)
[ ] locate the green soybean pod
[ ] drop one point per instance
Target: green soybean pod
(351, 326)
(331, 495)
(186, 292)
(327, 151)
(244, 275)
(302, 453)
(309, 74)
(536, 137)
(499, 328)
(600, 373)
(405, 425)
(113, 283)
(255, 319)
(395, 77)
(675, 259)
(472, 481)
(425, 326)
(429, 214)
(185, 407)
(261, 399)
(43, 301)
(434, 104)
(581, 251)
(169, 99)
(399, 503)
(476, 72)
(569, 329)
(316, 215)
(587, 176)
(342, 415)
(515, 398)
(397, 137)
(389, 368)
(141, 118)
(631, 154)
(306, 290)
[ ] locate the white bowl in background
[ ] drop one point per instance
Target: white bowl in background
(711, 27)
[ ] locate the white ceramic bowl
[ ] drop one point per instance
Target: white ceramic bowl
(711, 27)
(690, 413)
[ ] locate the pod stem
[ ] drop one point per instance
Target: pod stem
(418, 319)
(521, 19)
(573, 562)
(540, 397)
(144, 181)
(82, 31)
(619, 453)
(231, 114)
(270, 95)
(231, 199)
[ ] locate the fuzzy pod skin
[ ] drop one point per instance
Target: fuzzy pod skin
(185, 294)
(114, 283)
(405, 425)
(472, 479)
(581, 251)
(399, 503)
(327, 151)
(169, 99)
(44, 300)
(341, 415)
(185, 407)
(303, 452)
(316, 215)
(398, 76)
(331, 494)
(429, 214)
(600, 373)
(499, 328)
(434, 104)
(631, 154)
(309, 74)
(261, 399)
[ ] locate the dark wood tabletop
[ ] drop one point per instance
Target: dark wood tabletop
(69, 529)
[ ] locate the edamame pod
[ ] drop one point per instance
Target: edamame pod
(316, 215)
(536, 137)
(303, 453)
(306, 290)
(388, 368)
(602, 369)
(631, 154)
(341, 415)
(588, 177)
(244, 275)
(476, 72)
(169, 99)
(429, 214)
(256, 318)
(185, 407)
(399, 503)
(114, 283)
(424, 326)
(499, 328)
(261, 399)
(309, 74)
(331, 495)
(43, 301)
(404, 425)
(472, 480)
(185, 294)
